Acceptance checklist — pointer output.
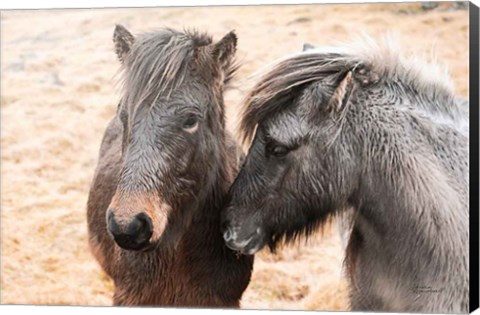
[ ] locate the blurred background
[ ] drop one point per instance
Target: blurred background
(58, 75)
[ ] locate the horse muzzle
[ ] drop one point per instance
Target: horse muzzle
(248, 245)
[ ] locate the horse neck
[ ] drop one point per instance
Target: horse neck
(404, 187)
(411, 218)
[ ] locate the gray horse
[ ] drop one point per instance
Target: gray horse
(367, 129)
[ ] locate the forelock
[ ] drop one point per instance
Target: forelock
(158, 63)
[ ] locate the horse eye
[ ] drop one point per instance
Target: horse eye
(190, 123)
(279, 150)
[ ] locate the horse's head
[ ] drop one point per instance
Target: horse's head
(300, 166)
(330, 128)
(172, 113)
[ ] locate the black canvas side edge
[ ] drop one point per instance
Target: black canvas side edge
(474, 169)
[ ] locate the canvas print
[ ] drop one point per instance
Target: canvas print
(306, 157)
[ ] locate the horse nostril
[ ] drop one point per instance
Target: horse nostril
(135, 227)
(135, 235)
(228, 235)
(141, 226)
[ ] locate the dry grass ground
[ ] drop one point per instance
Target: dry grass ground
(58, 93)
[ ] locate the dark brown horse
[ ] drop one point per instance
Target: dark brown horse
(166, 162)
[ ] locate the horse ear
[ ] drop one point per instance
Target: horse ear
(341, 94)
(225, 49)
(307, 46)
(123, 41)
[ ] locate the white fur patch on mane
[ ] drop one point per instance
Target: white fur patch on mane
(424, 73)
(388, 58)
(423, 84)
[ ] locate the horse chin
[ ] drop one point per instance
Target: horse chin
(249, 246)
(149, 247)
(252, 250)
(169, 239)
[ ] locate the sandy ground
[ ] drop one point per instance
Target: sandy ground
(58, 93)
